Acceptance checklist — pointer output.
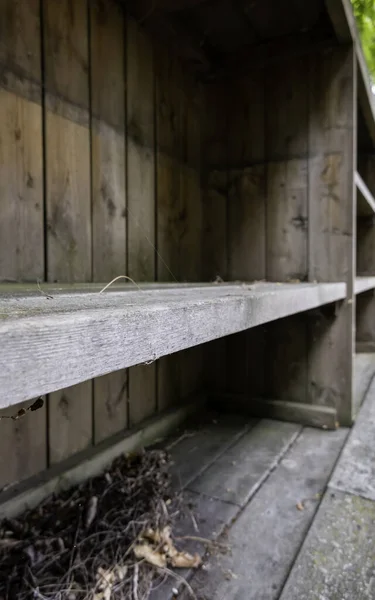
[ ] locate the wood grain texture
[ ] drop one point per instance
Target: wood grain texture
(246, 224)
(20, 49)
(286, 127)
(169, 199)
(215, 215)
(107, 50)
(81, 336)
(331, 221)
(21, 152)
(23, 447)
(68, 193)
(141, 196)
(270, 525)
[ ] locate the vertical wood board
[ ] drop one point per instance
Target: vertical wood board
(107, 80)
(68, 194)
(141, 196)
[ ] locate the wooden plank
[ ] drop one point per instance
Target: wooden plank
(107, 57)
(215, 214)
(21, 168)
(336, 558)
(201, 447)
(191, 240)
(354, 472)
(286, 370)
(170, 214)
(246, 237)
(294, 412)
(364, 371)
(270, 525)
(23, 445)
(286, 124)
(141, 196)
(287, 219)
(364, 284)
(331, 218)
(68, 200)
(49, 344)
(240, 471)
(93, 461)
(365, 199)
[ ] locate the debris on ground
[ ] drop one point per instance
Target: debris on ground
(107, 539)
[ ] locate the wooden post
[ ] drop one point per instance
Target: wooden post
(365, 304)
(332, 163)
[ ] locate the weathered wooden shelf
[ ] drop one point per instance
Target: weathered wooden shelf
(364, 284)
(52, 343)
(365, 200)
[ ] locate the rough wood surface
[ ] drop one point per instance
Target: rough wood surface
(269, 531)
(21, 151)
(240, 471)
(170, 210)
(197, 449)
(51, 343)
(68, 193)
(355, 472)
(365, 199)
(337, 558)
(215, 215)
(364, 371)
(331, 224)
(107, 52)
(23, 445)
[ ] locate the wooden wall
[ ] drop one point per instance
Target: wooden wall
(99, 176)
(281, 181)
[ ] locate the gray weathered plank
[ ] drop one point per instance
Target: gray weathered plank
(199, 448)
(337, 558)
(268, 533)
(364, 284)
(108, 187)
(365, 199)
(239, 472)
(68, 193)
(48, 344)
(364, 371)
(21, 202)
(140, 116)
(355, 472)
(331, 230)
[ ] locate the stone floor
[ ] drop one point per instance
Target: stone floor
(294, 505)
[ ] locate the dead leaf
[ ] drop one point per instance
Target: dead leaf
(184, 560)
(147, 553)
(91, 511)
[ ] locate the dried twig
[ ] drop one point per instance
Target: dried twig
(119, 277)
